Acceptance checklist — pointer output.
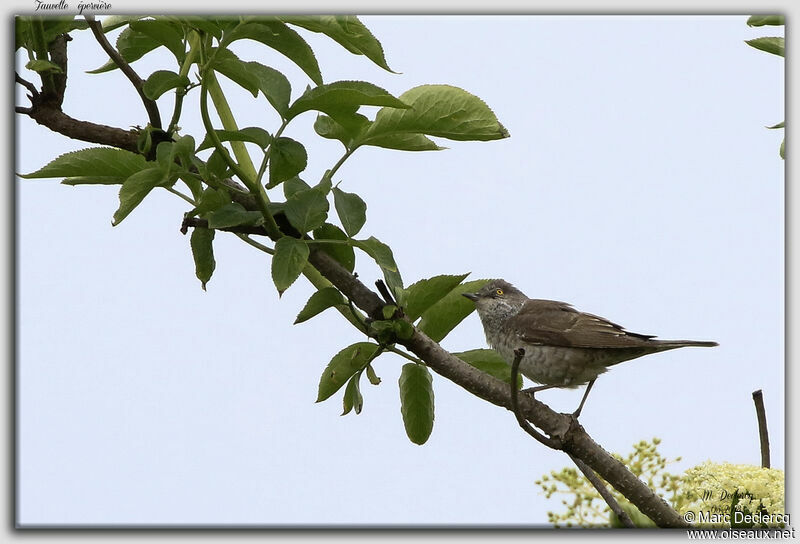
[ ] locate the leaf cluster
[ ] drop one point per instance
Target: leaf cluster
(225, 190)
(775, 45)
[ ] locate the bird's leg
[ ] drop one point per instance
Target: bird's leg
(533, 390)
(577, 412)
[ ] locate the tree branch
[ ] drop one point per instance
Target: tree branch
(564, 431)
(763, 435)
(572, 437)
(56, 120)
(58, 55)
(598, 484)
(27, 84)
(46, 109)
(149, 105)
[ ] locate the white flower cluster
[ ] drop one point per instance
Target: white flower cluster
(710, 488)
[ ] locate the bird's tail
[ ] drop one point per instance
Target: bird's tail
(686, 343)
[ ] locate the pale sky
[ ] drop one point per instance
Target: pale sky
(639, 183)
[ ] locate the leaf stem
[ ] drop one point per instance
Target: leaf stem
(340, 162)
(176, 192)
(245, 238)
(347, 242)
(405, 355)
(228, 122)
(180, 94)
(257, 189)
(36, 29)
(268, 152)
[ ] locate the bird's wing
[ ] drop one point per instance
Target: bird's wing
(552, 323)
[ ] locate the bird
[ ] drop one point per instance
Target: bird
(563, 347)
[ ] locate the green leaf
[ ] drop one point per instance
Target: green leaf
(761, 20)
(162, 81)
(283, 39)
(287, 159)
(217, 165)
(441, 318)
(131, 46)
(416, 402)
(402, 329)
(165, 156)
(135, 188)
(388, 311)
(229, 65)
(325, 298)
(164, 33)
(371, 376)
(307, 210)
(352, 399)
(383, 256)
(211, 199)
(41, 66)
(343, 95)
(97, 162)
(343, 254)
(274, 85)
(405, 142)
(294, 185)
(326, 127)
(205, 24)
(203, 253)
(438, 110)
(255, 135)
(183, 148)
(325, 184)
(773, 45)
(291, 256)
(114, 22)
(425, 293)
(782, 149)
(346, 30)
(92, 180)
(232, 214)
(782, 124)
(343, 365)
(383, 332)
(352, 211)
(137, 40)
(52, 26)
(489, 361)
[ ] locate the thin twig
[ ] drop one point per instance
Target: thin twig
(612, 503)
(527, 427)
(149, 105)
(385, 293)
(27, 84)
(763, 435)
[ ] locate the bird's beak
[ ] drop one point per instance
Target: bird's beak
(472, 296)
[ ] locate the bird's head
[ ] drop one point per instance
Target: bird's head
(498, 299)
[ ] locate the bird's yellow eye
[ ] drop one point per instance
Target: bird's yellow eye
(499, 291)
